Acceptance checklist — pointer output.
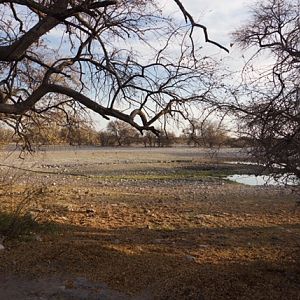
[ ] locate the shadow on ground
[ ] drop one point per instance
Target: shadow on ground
(79, 262)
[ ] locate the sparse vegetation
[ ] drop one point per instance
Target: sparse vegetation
(137, 213)
(157, 216)
(16, 217)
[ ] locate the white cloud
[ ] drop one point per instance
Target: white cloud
(221, 17)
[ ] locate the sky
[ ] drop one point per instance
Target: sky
(221, 18)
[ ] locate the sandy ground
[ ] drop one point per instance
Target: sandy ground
(146, 224)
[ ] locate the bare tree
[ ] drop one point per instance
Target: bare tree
(149, 139)
(206, 134)
(122, 59)
(6, 135)
(272, 116)
(165, 139)
(121, 133)
(78, 131)
(106, 139)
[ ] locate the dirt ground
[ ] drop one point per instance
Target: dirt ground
(144, 224)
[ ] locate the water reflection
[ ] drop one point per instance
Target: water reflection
(263, 180)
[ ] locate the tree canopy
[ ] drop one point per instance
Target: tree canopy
(272, 112)
(124, 59)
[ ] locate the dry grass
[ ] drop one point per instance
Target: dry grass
(166, 239)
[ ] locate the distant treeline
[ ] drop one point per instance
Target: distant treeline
(118, 133)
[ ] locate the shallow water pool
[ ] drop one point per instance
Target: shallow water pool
(262, 180)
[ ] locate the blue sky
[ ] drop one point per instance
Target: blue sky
(221, 18)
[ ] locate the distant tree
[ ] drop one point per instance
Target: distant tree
(122, 133)
(165, 139)
(271, 117)
(240, 142)
(54, 129)
(34, 131)
(78, 132)
(206, 134)
(106, 139)
(122, 59)
(182, 139)
(6, 135)
(214, 134)
(149, 139)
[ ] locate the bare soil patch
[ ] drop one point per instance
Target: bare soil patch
(129, 224)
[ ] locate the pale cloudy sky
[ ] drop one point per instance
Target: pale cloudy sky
(221, 17)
